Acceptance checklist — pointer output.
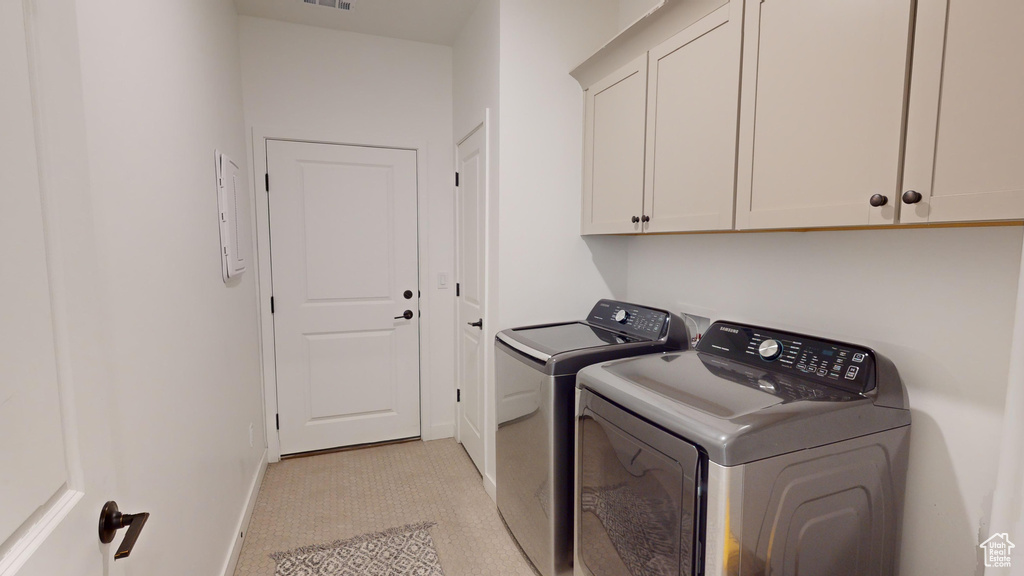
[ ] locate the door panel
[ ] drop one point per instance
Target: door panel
(613, 151)
(344, 249)
(692, 113)
(350, 219)
(965, 128)
(470, 201)
(354, 355)
(29, 402)
(821, 128)
(56, 402)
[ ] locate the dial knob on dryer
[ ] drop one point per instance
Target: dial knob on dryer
(770, 349)
(621, 316)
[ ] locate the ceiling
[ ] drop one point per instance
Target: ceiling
(433, 21)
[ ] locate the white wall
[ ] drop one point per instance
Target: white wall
(939, 303)
(332, 86)
(161, 91)
(475, 99)
(475, 71)
(541, 268)
(547, 272)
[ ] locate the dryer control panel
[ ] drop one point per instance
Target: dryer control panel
(834, 364)
(640, 321)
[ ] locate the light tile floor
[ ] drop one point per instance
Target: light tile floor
(323, 498)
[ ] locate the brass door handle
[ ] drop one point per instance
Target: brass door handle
(112, 520)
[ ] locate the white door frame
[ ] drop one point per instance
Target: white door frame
(261, 225)
(489, 301)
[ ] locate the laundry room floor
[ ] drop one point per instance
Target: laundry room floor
(328, 497)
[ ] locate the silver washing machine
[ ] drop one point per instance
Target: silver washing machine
(760, 452)
(536, 370)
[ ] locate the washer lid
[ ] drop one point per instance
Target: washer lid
(612, 330)
(559, 338)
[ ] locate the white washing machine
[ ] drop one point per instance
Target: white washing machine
(761, 452)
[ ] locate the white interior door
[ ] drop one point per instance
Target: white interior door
(469, 200)
(344, 258)
(56, 466)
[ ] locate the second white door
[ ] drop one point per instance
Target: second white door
(346, 317)
(470, 263)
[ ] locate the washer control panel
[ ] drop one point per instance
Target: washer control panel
(639, 321)
(835, 364)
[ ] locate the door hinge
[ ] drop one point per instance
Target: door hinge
(457, 290)
(277, 421)
(271, 304)
(266, 181)
(456, 179)
(458, 395)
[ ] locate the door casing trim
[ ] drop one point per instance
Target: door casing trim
(261, 224)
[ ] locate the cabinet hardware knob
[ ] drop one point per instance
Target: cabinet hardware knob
(646, 218)
(112, 520)
(878, 200)
(911, 197)
(407, 315)
(635, 219)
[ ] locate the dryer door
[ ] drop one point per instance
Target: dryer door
(636, 495)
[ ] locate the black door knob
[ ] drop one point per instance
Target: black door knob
(911, 197)
(645, 218)
(112, 520)
(479, 323)
(407, 294)
(407, 315)
(878, 200)
(635, 219)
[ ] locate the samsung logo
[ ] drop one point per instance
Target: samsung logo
(729, 330)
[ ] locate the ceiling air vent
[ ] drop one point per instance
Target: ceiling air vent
(342, 4)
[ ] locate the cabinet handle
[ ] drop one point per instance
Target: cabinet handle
(646, 218)
(911, 197)
(635, 219)
(878, 200)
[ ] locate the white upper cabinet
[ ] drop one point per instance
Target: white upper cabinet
(846, 113)
(822, 112)
(660, 132)
(965, 127)
(692, 112)
(613, 151)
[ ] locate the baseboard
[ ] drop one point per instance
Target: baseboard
(243, 523)
(438, 431)
(490, 488)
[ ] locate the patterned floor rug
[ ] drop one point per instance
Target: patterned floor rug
(402, 551)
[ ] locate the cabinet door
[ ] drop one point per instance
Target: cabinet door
(822, 112)
(692, 112)
(613, 151)
(965, 124)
